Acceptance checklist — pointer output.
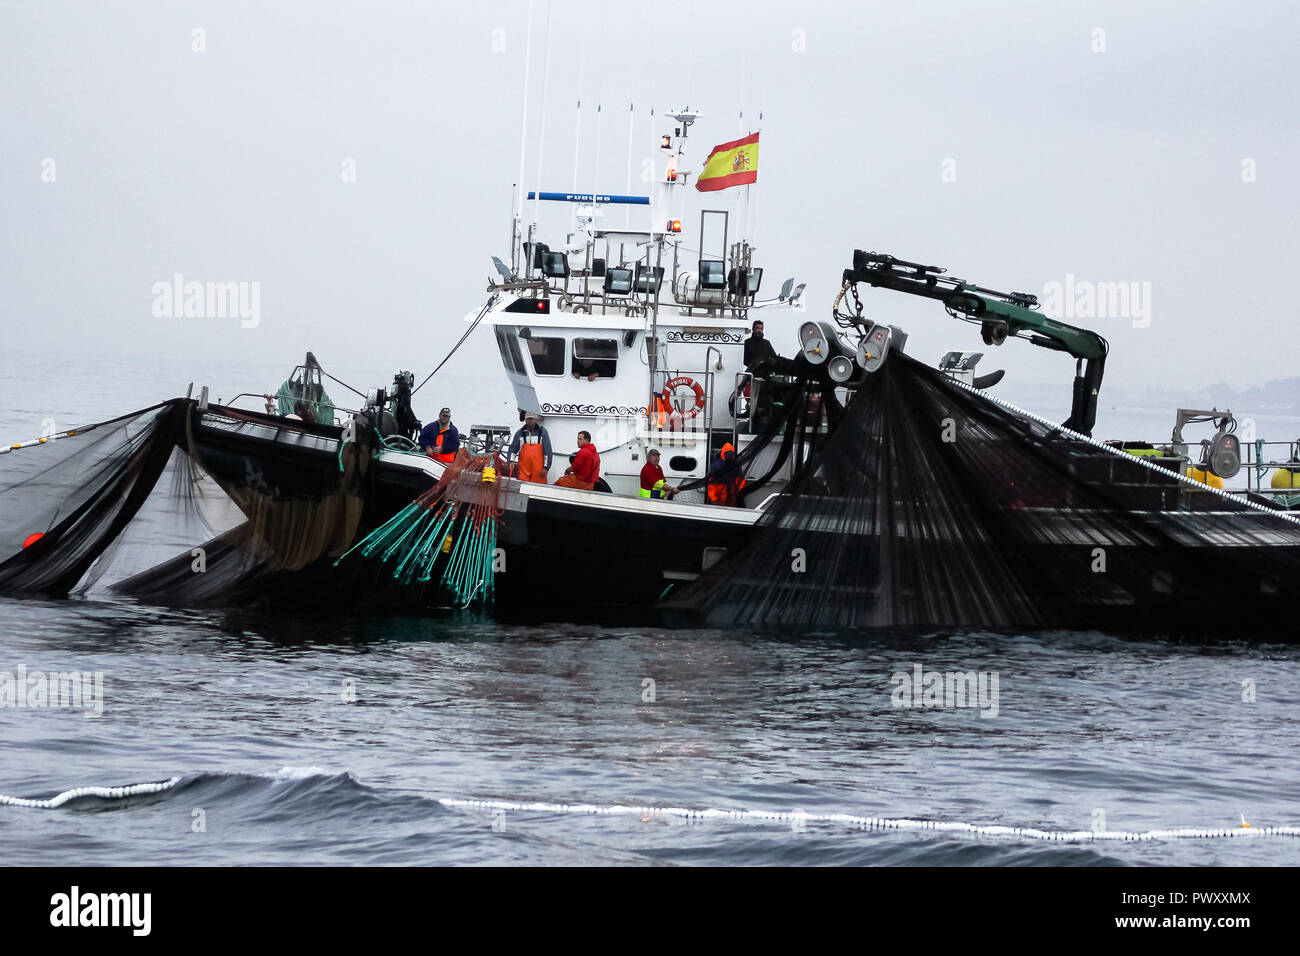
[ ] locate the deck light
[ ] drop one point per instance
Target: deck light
(618, 281)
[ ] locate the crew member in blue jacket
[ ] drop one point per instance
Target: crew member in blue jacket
(440, 440)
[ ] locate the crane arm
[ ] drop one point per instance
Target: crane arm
(1000, 315)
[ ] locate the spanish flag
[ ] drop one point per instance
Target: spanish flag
(731, 164)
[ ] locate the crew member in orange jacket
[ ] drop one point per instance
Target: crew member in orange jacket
(585, 470)
(726, 480)
(531, 448)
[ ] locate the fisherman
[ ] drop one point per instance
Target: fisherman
(302, 412)
(531, 450)
(758, 348)
(653, 484)
(726, 479)
(586, 368)
(440, 440)
(761, 361)
(585, 470)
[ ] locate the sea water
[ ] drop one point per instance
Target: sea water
(314, 739)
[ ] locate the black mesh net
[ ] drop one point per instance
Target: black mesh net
(65, 500)
(126, 507)
(933, 506)
(928, 505)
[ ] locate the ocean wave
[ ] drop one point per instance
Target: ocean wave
(316, 789)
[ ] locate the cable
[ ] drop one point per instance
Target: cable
(340, 381)
(473, 326)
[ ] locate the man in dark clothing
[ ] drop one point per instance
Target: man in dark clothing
(757, 348)
(761, 361)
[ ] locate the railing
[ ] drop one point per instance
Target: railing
(687, 433)
(1258, 462)
(261, 397)
(744, 380)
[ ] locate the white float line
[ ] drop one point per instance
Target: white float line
(41, 441)
(1120, 453)
(799, 818)
(108, 793)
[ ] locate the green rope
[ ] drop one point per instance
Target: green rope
(291, 392)
(416, 536)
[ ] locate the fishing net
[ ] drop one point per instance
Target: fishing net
(931, 505)
(279, 553)
(64, 500)
(128, 507)
(447, 537)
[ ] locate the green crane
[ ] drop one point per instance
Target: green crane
(1000, 316)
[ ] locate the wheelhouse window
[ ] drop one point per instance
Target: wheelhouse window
(595, 357)
(548, 355)
(511, 357)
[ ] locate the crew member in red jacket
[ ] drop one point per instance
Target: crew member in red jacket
(585, 470)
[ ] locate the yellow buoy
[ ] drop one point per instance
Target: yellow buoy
(1285, 478)
(1205, 477)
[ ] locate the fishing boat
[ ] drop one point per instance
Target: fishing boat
(879, 491)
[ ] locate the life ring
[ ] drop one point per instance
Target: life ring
(699, 393)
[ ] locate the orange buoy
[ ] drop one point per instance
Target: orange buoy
(33, 538)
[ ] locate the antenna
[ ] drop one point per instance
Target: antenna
(577, 131)
(577, 139)
(627, 189)
(652, 188)
(595, 172)
(523, 131)
(541, 133)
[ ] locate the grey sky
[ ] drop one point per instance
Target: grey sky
(1122, 165)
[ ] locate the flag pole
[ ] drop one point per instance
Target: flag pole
(653, 190)
(754, 210)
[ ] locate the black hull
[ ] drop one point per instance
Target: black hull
(564, 559)
(582, 556)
